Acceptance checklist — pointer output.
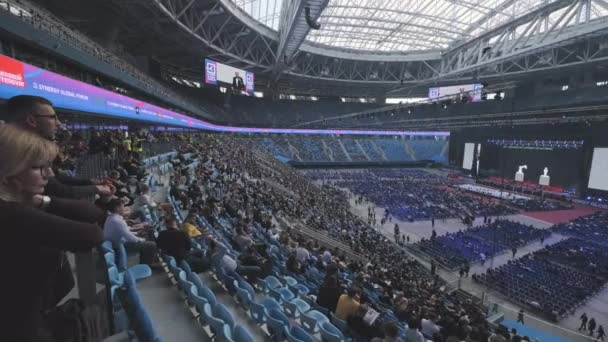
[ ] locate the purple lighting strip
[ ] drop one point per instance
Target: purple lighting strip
(18, 78)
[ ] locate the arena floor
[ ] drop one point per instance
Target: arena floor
(596, 307)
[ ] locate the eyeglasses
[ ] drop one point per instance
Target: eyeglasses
(44, 169)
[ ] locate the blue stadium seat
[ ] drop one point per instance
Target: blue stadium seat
(295, 307)
(297, 334)
(312, 320)
(278, 324)
(242, 335)
(329, 333)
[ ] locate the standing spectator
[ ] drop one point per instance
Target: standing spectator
(433, 222)
(514, 251)
(584, 320)
(520, 316)
(591, 326)
(600, 333)
(433, 267)
(329, 293)
(117, 230)
(36, 230)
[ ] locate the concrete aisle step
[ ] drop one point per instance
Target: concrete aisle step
(167, 309)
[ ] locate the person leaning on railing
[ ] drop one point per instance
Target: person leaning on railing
(36, 230)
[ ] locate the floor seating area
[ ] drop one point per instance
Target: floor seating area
(478, 243)
(539, 281)
(590, 228)
(413, 194)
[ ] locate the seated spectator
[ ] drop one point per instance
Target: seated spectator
(177, 244)
(329, 293)
(413, 333)
(117, 230)
(391, 333)
(189, 226)
(221, 258)
(348, 303)
(292, 264)
(36, 231)
(360, 327)
(428, 326)
(302, 254)
(145, 198)
(325, 255)
(242, 240)
(251, 257)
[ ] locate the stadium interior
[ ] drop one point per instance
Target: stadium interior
(304, 170)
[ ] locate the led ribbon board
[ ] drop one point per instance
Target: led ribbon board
(18, 78)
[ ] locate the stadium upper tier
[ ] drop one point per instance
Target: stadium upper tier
(316, 148)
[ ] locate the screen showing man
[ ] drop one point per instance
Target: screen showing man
(237, 82)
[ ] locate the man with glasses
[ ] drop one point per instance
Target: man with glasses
(36, 114)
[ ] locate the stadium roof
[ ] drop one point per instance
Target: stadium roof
(398, 25)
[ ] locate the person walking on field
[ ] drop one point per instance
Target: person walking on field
(591, 326)
(584, 320)
(600, 333)
(520, 316)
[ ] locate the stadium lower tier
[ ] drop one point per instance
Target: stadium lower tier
(317, 148)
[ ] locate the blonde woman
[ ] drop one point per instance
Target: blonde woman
(35, 229)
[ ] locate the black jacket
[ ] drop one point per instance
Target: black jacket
(31, 247)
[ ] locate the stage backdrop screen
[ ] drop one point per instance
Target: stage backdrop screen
(598, 178)
(467, 160)
(564, 164)
(217, 73)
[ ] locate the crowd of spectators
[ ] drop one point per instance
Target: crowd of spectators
(256, 190)
(248, 193)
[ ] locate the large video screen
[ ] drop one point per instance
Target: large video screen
(598, 178)
(217, 73)
(564, 165)
(467, 160)
(473, 90)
